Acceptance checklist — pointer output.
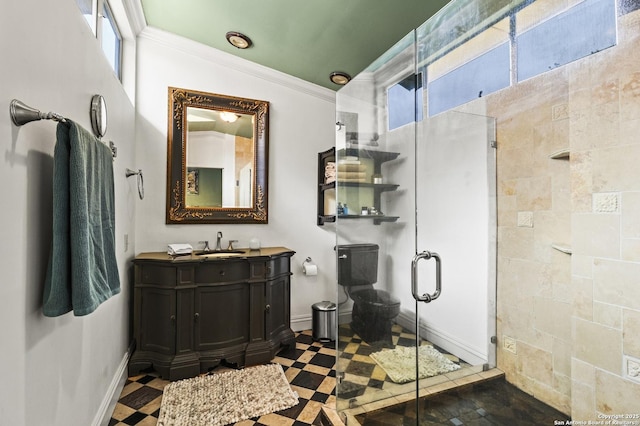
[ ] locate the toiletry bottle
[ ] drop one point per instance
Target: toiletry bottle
(345, 209)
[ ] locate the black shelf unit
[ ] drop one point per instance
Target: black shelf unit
(378, 158)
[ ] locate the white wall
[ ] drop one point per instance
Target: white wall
(55, 371)
(301, 124)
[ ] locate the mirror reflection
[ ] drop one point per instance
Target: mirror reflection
(219, 153)
(217, 158)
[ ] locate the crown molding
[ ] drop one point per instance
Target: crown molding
(218, 57)
(135, 13)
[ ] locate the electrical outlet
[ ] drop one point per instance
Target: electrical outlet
(509, 344)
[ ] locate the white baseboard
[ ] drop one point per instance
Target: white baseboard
(444, 340)
(305, 322)
(110, 399)
(301, 322)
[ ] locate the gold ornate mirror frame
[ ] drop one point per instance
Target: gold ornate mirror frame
(180, 176)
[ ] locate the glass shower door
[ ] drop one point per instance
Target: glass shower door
(410, 190)
(456, 242)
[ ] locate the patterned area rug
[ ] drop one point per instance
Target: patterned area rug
(229, 397)
(400, 363)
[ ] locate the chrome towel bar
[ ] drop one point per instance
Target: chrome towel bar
(22, 114)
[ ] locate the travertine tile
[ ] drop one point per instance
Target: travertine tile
(614, 395)
(615, 168)
(596, 235)
(630, 216)
(581, 180)
(617, 282)
(562, 357)
(630, 96)
(516, 242)
(535, 363)
(583, 404)
(598, 345)
(583, 298)
(630, 249)
(534, 193)
(553, 317)
(606, 314)
(581, 265)
(630, 333)
(583, 372)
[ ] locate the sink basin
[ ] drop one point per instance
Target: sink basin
(219, 253)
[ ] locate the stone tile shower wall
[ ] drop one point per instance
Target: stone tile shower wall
(569, 324)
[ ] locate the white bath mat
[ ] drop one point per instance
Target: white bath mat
(400, 363)
(229, 397)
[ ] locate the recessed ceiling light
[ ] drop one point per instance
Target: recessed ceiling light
(238, 40)
(339, 77)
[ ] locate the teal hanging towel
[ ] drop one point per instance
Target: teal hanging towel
(82, 271)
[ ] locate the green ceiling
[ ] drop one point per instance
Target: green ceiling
(305, 38)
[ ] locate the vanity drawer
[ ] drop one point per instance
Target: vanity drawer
(279, 265)
(270, 268)
(227, 271)
(156, 274)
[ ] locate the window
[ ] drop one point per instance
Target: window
(401, 99)
(88, 7)
(479, 77)
(583, 30)
(105, 29)
(111, 40)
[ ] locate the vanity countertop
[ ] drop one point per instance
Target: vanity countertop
(199, 256)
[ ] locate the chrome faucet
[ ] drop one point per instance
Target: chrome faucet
(206, 246)
(218, 246)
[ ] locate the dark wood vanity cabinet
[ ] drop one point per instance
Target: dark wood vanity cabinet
(193, 312)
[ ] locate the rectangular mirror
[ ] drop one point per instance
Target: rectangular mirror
(217, 158)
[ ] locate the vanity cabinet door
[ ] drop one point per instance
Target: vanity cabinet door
(221, 316)
(156, 320)
(278, 307)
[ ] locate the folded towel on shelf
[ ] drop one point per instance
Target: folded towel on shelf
(350, 180)
(351, 175)
(82, 271)
(351, 167)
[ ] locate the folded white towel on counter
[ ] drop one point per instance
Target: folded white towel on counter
(176, 249)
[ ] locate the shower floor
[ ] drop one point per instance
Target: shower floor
(493, 402)
(469, 396)
(364, 381)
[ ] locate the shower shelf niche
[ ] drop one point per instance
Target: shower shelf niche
(327, 191)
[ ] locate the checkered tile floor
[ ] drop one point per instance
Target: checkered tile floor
(309, 367)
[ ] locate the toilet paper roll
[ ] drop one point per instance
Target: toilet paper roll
(310, 268)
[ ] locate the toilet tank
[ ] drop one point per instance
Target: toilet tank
(357, 264)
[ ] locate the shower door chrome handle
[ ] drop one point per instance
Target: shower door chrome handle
(414, 277)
